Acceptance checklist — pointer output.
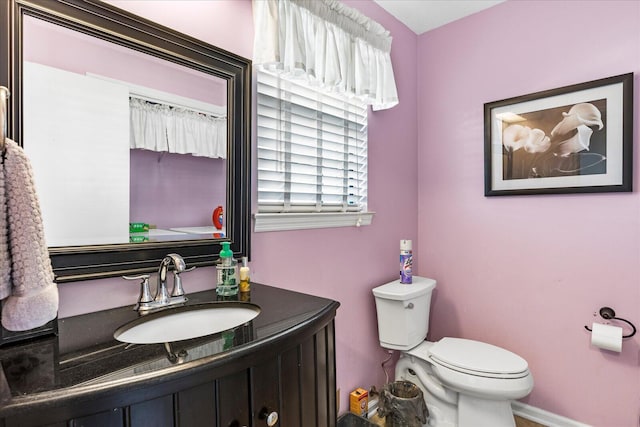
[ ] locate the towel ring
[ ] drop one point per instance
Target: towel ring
(609, 314)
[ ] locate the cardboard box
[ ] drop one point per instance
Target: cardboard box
(359, 402)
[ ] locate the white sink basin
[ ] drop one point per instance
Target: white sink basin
(183, 323)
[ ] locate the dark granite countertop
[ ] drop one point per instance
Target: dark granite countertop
(85, 358)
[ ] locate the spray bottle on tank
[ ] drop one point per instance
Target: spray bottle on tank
(406, 261)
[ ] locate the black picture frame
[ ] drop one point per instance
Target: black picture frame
(573, 139)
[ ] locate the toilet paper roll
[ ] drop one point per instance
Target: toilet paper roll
(607, 337)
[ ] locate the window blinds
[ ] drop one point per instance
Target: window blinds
(312, 149)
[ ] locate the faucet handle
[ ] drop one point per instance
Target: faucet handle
(145, 293)
(177, 290)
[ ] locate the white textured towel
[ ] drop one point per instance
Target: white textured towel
(27, 287)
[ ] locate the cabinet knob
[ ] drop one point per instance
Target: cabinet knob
(270, 417)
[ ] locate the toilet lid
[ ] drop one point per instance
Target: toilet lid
(475, 356)
(399, 291)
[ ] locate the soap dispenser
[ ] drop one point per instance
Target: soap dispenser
(227, 283)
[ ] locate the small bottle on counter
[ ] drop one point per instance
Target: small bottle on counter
(226, 283)
(245, 280)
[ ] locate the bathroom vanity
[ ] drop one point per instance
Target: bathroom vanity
(282, 362)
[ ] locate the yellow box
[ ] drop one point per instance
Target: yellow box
(359, 402)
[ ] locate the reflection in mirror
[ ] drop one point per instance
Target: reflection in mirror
(125, 146)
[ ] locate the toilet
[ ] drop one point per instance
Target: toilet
(465, 383)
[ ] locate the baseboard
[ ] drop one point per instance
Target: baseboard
(543, 417)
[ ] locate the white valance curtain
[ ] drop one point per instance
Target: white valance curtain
(332, 45)
(159, 127)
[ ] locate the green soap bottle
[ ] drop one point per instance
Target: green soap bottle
(227, 283)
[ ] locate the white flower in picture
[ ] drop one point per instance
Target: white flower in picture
(583, 114)
(577, 143)
(579, 118)
(515, 136)
(537, 142)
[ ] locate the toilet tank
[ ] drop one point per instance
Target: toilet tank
(403, 312)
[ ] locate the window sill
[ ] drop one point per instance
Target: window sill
(303, 221)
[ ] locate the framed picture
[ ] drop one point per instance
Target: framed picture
(575, 139)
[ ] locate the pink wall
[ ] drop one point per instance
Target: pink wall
(528, 272)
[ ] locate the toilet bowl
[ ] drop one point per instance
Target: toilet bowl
(466, 383)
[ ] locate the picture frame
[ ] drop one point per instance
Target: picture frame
(573, 139)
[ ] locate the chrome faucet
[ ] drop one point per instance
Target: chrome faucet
(162, 297)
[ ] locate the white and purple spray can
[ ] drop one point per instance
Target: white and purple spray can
(406, 261)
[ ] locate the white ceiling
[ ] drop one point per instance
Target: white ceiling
(425, 15)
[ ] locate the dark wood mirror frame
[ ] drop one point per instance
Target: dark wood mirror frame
(115, 25)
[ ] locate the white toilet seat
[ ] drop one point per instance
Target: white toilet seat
(478, 359)
(475, 373)
(472, 358)
(467, 366)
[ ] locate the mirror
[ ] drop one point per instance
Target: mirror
(174, 152)
(141, 141)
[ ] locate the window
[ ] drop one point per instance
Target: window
(312, 157)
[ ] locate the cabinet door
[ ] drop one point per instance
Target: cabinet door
(317, 379)
(152, 413)
(265, 391)
(109, 418)
(197, 406)
(233, 400)
(291, 404)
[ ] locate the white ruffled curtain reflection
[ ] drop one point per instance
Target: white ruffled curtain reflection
(332, 45)
(159, 127)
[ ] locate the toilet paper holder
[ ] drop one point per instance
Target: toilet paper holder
(609, 314)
